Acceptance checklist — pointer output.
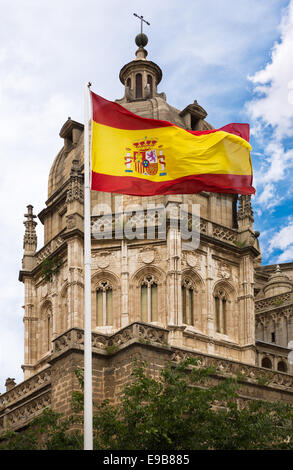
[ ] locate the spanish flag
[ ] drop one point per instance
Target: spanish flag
(145, 157)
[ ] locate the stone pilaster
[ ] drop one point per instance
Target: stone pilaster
(124, 283)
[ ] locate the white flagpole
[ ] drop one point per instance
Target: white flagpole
(88, 399)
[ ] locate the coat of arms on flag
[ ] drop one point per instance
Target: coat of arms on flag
(145, 157)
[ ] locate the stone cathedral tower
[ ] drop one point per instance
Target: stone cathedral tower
(150, 298)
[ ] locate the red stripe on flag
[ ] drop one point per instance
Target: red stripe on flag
(113, 114)
(236, 128)
(234, 184)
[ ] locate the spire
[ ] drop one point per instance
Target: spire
(245, 209)
(30, 236)
(75, 188)
(245, 213)
(140, 76)
(141, 39)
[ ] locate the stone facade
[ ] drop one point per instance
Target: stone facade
(151, 298)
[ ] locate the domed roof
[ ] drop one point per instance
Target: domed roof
(277, 283)
(72, 133)
(151, 104)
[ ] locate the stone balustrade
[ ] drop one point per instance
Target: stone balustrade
(273, 302)
(48, 249)
(25, 400)
(154, 335)
(106, 223)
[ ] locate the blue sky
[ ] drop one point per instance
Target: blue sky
(234, 56)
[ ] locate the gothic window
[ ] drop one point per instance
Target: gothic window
(187, 291)
(273, 337)
(128, 82)
(104, 304)
(149, 299)
(282, 366)
(138, 85)
(150, 82)
(266, 362)
(221, 311)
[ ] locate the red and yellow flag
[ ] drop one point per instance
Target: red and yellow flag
(145, 157)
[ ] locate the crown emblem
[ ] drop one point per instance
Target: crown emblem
(145, 157)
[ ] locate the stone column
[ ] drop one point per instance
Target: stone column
(246, 305)
(210, 299)
(174, 262)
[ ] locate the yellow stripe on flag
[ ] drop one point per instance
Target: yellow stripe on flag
(184, 153)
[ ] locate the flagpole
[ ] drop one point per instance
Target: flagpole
(88, 399)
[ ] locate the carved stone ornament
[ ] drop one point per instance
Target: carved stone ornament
(71, 221)
(102, 259)
(224, 271)
(147, 255)
(191, 259)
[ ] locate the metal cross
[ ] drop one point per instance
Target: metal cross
(142, 20)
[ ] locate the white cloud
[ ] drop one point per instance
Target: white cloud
(287, 255)
(272, 109)
(283, 239)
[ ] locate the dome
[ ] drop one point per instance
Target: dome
(72, 133)
(278, 283)
(147, 103)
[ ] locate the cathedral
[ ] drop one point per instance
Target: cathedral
(151, 298)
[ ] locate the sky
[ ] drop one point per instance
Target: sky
(233, 56)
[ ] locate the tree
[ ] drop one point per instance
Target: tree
(183, 408)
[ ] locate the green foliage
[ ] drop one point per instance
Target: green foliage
(180, 407)
(50, 266)
(112, 349)
(48, 431)
(240, 244)
(263, 379)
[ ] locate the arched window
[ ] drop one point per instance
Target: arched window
(266, 362)
(221, 311)
(187, 291)
(282, 366)
(104, 304)
(138, 85)
(150, 82)
(128, 82)
(149, 299)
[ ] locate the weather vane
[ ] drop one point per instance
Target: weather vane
(141, 21)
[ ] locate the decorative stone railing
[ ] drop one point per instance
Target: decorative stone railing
(273, 302)
(157, 336)
(25, 388)
(48, 249)
(24, 413)
(108, 344)
(24, 401)
(106, 224)
(244, 372)
(225, 234)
